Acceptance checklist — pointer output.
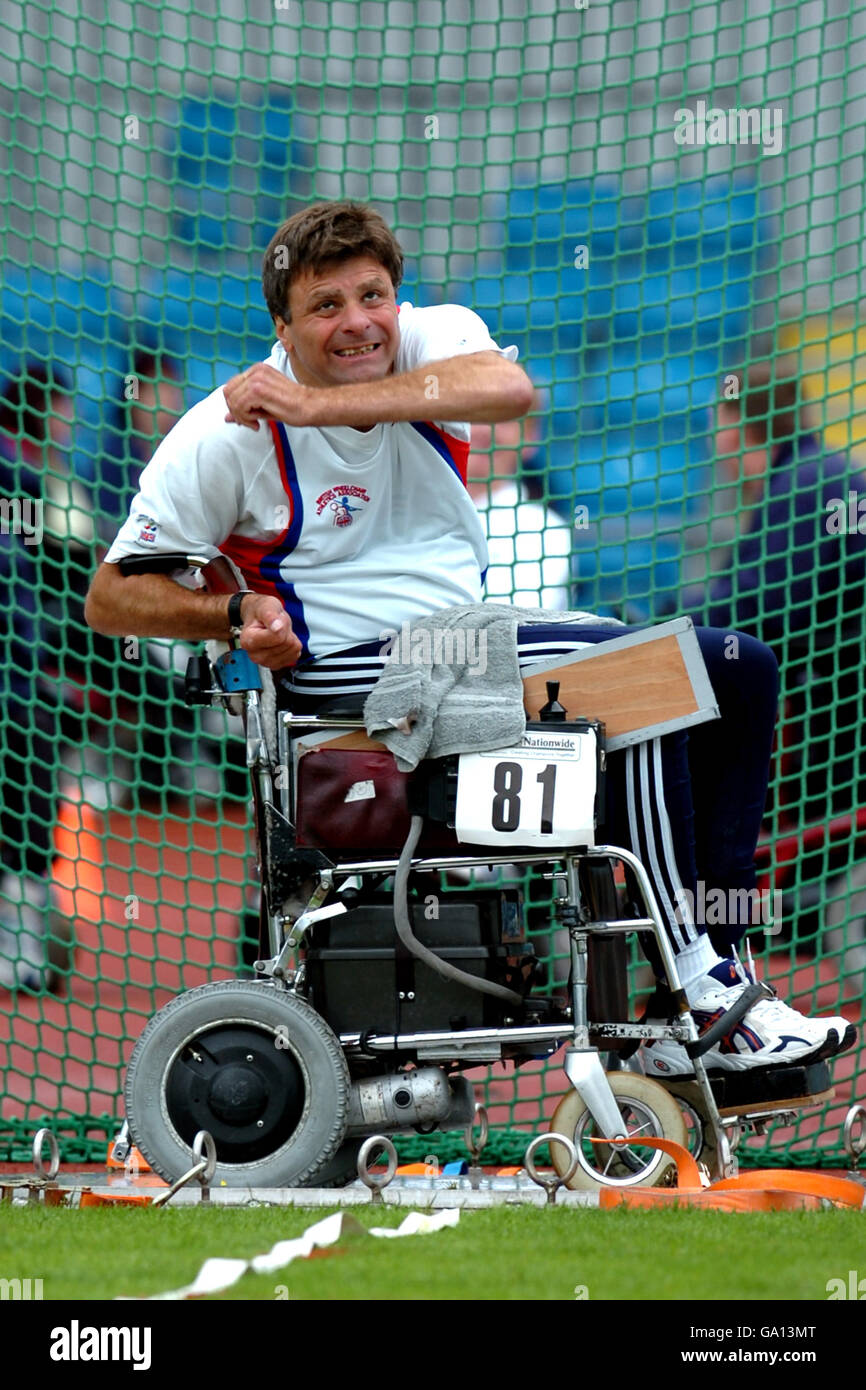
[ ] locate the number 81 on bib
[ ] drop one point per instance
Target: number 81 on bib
(539, 794)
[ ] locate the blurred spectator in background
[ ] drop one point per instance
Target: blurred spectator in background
(529, 544)
(794, 576)
(36, 414)
(174, 756)
(150, 399)
(157, 728)
(35, 411)
(123, 692)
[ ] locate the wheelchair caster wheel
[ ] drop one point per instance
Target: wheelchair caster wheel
(646, 1109)
(256, 1067)
(702, 1143)
(699, 1138)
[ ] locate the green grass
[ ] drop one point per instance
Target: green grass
(492, 1255)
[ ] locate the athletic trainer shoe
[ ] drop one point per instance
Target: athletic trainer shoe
(35, 939)
(770, 1035)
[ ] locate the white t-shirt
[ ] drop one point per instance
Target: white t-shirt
(529, 548)
(356, 532)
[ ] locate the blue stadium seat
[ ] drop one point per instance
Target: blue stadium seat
(631, 577)
(543, 223)
(535, 310)
(213, 323)
(81, 317)
(239, 169)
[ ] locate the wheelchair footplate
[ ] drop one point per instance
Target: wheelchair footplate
(764, 1090)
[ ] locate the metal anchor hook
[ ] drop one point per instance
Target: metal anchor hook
(45, 1177)
(550, 1182)
(476, 1149)
(854, 1134)
(40, 1138)
(371, 1146)
(203, 1169)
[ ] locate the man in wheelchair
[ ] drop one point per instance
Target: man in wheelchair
(321, 474)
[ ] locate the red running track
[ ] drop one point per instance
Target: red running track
(156, 908)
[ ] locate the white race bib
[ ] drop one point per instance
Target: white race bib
(540, 794)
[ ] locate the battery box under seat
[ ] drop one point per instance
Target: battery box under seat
(361, 978)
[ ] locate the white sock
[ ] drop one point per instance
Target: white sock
(694, 961)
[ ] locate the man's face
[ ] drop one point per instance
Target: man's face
(336, 311)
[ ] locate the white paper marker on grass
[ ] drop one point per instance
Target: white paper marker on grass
(218, 1274)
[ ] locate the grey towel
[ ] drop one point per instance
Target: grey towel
(452, 683)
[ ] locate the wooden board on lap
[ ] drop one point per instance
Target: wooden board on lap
(640, 686)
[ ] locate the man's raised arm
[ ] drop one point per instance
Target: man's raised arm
(479, 387)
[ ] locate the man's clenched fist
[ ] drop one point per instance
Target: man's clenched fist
(263, 393)
(267, 632)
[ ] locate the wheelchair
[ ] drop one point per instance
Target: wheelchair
(376, 990)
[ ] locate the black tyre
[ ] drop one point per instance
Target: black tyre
(340, 1170)
(255, 1066)
(702, 1138)
(598, 887)
(607, 959)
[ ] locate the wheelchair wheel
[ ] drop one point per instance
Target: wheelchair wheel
(702, 1139)
(607, 959)
(340, 1170)
(255, 1066)
(646, 1109)
(598, 886)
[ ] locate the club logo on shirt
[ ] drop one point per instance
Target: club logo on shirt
(340, 502)
(149, 528)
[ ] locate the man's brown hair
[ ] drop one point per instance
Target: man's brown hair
(770, 401)
(321, 235)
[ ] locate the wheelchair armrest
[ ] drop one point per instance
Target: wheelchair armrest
(159, 564)
(337, 710)
(218, 574)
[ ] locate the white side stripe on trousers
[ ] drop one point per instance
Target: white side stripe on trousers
(683, 914)
(638, 792)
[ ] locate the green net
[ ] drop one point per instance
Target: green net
(652, 205)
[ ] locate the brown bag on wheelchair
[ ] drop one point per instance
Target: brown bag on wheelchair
(357, 800)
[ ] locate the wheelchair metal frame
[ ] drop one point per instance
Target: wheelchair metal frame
(582, 1063)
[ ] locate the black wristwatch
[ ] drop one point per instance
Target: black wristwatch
(234, 611)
